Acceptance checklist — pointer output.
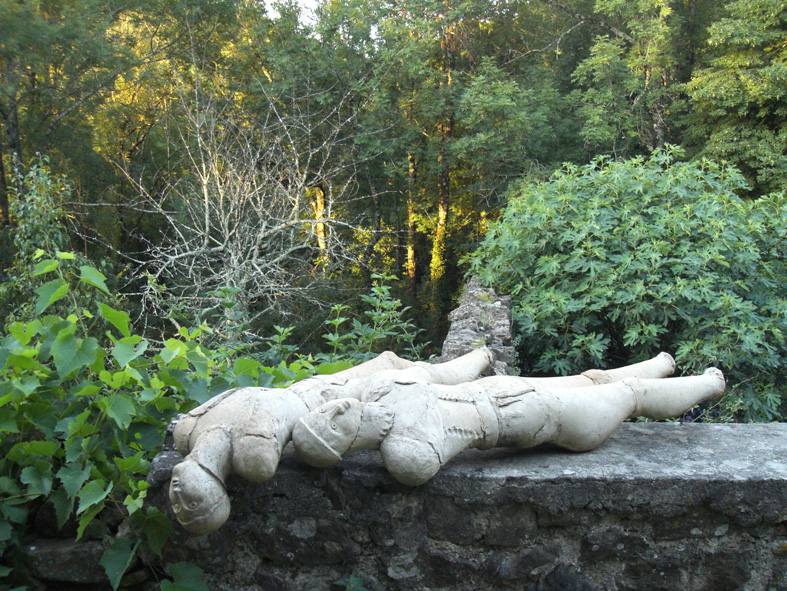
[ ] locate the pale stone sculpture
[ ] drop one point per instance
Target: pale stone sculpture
(419, 427)
(407, 409)
(244, 430)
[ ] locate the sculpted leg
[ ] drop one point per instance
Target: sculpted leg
(357, 381)
(661, 366)
(588, 417)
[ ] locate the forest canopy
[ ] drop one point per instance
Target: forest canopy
(251, 165)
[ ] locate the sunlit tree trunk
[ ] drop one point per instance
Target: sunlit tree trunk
(318, 205)
(437, 266)
(411, 197)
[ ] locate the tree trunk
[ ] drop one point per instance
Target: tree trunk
(411, 269)
(440, 244)
(318, 206)
(5, 216)
(11, 125)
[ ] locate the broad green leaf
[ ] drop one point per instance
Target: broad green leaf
(244, 365)
(15, 510)
(157, 528)
(71, 354)
(66, 256)
(38, 482)
(73, 476)
(5, 533)
(27, 385)
(117, 318)
(129, 349)
(86, 388)
(133, 465)
(121, 410)
(63, 504)
(117, 558)
(94, 277)
(8, 420)
(23, 332)
(49, 293)
(186, 577)
(28, 449)
(9, 487)
(92, 494)
(45, 266)
(88, 516)
(172, 349)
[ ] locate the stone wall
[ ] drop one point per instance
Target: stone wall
(659, 506)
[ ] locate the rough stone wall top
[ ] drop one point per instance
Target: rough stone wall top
(482, 318)
(659, 506)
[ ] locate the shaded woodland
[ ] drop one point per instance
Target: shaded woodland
(225, 151)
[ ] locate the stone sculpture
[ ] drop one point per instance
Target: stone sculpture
(419, 427)
(418, 415)
(245, 430)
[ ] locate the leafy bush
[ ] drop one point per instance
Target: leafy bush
(81, 416)
(611, 262)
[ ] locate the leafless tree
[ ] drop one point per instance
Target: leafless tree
(257, 206)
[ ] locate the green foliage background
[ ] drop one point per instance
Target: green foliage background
(612, 262)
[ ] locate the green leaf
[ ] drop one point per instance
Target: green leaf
(15, 510)
(187, 577)
(5, 533)
(244, 365)
(63, 504)
(94, 277)
(49, 293)
(117, 318)
(85, 520)
(66, 256)
(86, 388)
(134, 465)
(157, 529)
(129, 349)
(117, 558)
(92, 494)
(121, 410)
(45, 266)
(73, 476)
(331, 368)
(71, 354)
(27, 449)
(38, 483)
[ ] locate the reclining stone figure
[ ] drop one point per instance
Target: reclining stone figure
(418, 415)
(419, 427)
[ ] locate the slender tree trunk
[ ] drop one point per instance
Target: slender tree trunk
(12, 135)
(5, 216)
(318, 205)
(438, 264)
(375, 238)
(411, 188)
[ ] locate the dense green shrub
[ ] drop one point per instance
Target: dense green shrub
(614, 261)
(82, 414)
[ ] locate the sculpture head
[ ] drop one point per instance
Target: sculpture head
(324, 434)
(198, 498)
